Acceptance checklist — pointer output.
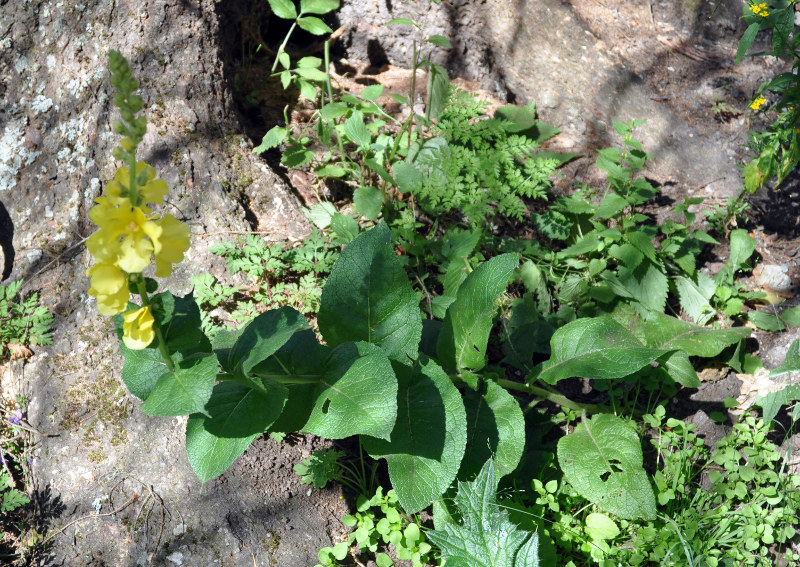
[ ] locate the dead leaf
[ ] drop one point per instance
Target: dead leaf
(19, 351)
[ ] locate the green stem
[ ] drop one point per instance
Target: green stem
(552, 396)
(290, 378)
(328, 69)
(141, 288)
(283, 45)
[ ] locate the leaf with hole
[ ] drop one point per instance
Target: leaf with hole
(602, 459)
(357, 394)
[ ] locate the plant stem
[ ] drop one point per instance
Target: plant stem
(551, 396)
(141, 289)
(283, 45)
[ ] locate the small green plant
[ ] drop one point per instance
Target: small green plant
(320, 468)
(22, 319)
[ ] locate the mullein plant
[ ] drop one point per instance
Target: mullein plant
(130, 236)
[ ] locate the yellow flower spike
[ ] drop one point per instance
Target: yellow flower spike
(137, 328)
(151, 191)
(174, 241)
(109, 285)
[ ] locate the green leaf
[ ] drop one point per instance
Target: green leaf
(13, 499)
(372, 92)
(668, 333)
(368, 297)
(210, 455)
(791, 363)
(494, 423)
(648, 285)
(184, 391)
(272, 139)
(680, 368)
(747, 39)
(695, 297)
(765, 321)
(465, 330)
(318, 6)
(356, 130)
(611, 205)
(357, 394)
(344, 226)
(440, 41)
(438, 91)
(772, 402)
(598, 348)
(320, 214)
(408, 177)
(742, 247)
(283, 9)
(368, 201)
(602, 460)
(403, 21)
(239, 411)
(312, 75)
(601, 527)
(427, 443)
(485, 537)
(314, 26)
(333, 110)
(260, 339)
(782, 29)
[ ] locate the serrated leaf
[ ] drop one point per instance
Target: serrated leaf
(314, 25)
(283, 9)
(465, 330)
(333, 110)
(611, 205)
(318, 6)
(357, 394)
(695, 297)
(408, 177)
(368, 201)
(356, 130)
(647, 284)
(485, 537)
(372, 92)
(13, 499)
(427, 443)
(494, 423)
(272, 139)
(598, 348)
(186, 389)
(602, 460)
(368, 297)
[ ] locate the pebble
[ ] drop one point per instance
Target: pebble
(773, 276)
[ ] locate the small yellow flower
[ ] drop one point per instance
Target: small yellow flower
(171, 244)
(137, 328)
(758, 103)
(760, 9)
(151, 191)
(110, 287)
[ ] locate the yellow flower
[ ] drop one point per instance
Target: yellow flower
(152, 190)
(758, 103)
(126, 234)
(171, 244)
(137, 328)
(760, 9)
(110, 287)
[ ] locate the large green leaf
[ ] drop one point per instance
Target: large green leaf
(238, 415)
(772, 402)
(668, 333)
(427, 443)
(368, 298)
(261, 338)
(485, 537)
(184, 390)
(679, 367)
(465, 330)
(742, 247)
(357, 394)
(602, 460)
(494, 430)
(598, 348)
(695, 296)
